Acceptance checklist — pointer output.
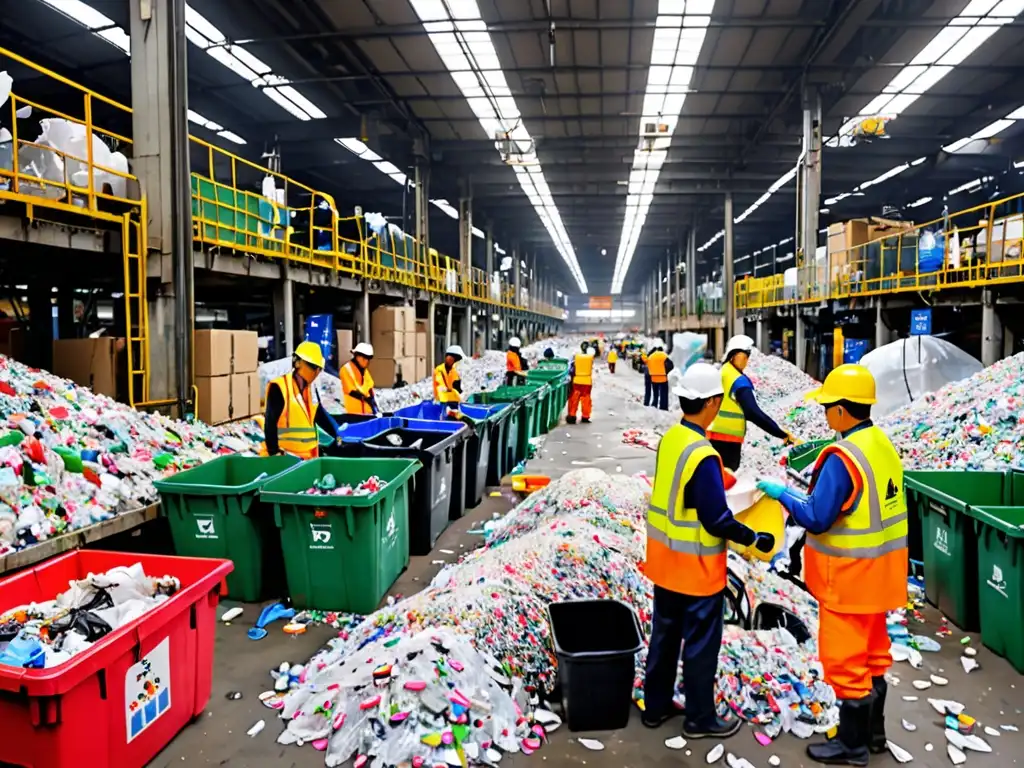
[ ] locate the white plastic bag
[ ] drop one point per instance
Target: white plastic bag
(687, 349)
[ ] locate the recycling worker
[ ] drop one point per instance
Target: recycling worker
(447, 382)
(291, 418)
(739, 406)
(549, 353)
(357, 384)
(688, 524)
(855, 559)
(659, 366)
(613, 358)
(581, 374)
(515, 366)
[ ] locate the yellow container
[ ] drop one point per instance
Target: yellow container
(765, 516)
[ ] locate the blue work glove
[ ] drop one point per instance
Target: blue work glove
(765, 542)
(773, 489)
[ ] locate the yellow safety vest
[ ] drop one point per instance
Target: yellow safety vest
(296, 428)
(730, 424)
(860, 564)
(613, 356)
(681, 555)
(584, 369)
(444, 385)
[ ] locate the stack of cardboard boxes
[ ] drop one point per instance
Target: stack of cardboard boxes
(393, 335)
(226, 365)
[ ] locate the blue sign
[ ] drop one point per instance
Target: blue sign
(920, 322)
(320, 330)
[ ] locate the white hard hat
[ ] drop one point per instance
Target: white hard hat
(592, 352)
(362, 348)
(659, 344)
(700, 380)
(515, 342)
(455, 350)
(739, 343)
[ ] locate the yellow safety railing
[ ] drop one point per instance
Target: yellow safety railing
(978, 246)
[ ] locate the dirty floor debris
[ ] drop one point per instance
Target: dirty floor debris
(993, 693)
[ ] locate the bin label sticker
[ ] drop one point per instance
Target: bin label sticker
(322, 535)
(390, 539)
(147, 689)
(205, 528)
(997, 582)
(942, 540)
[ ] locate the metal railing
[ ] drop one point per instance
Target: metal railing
(975, 247)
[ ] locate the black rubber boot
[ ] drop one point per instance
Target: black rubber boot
(570, 419)
(877, 743)
(650, 720)
(850, 746)
(719, 728)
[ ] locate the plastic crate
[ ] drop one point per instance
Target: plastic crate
(342, 553)
(214, 511)
(99, 709)
(1000, 532)
(595, 668)
(941, 500)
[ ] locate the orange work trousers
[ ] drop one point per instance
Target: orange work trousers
(853, 648)
(579, 395)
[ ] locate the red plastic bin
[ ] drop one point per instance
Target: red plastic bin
(80, 713)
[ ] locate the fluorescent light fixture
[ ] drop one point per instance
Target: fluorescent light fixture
(460, 37)
(363, 152)
(679, 33)
(446, 208)
(992, 129)
(920, 201)
(499, 250)
(477, 232)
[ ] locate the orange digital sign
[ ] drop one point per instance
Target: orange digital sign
(600, 302)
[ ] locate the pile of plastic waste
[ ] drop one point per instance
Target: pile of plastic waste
(582, 536)
(50, 633)
(328, 486)
(70, 458)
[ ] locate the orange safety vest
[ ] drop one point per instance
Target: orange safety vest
(681, 555)
(584, 370)
(354, 378)
(444, 385)
(860, 564)
(296, 428)
(656, 366)
(512, 362)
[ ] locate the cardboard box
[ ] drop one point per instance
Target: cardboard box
(392, 344)
(420, 347)
(421, 368)
(92, 363)
(345, 345)
(385, 370)
(245, 357)
(255, 395)
(386, 319)
(214, 405)
(213, 352)
(410, 320)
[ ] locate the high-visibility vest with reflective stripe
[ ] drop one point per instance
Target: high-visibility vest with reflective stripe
(656, 366)
(613, 356)
(512, 361)
(353, 378)
(296, 428)
(860, 564)
(444, 385)
(584, 369)
(730, 425)
(681, 555)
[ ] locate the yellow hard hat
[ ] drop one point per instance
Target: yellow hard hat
(310, 352)
(847, 382)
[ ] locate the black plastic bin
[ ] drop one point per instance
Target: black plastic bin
(328, 445)
(437, 486)
(596, 642)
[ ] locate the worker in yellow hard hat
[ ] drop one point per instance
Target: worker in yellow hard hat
(856, 560)
(448, 383)
(291, 418)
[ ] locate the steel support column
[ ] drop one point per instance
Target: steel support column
(991, 329)
(422, 192)
(728, 290)
(691, 271)
(465, 331)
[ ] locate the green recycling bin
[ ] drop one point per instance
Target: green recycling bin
(504, 446)
(214, 511)
(529, 420)
(941, 500)
(342, 553)
(558, 388)
(1000, 532)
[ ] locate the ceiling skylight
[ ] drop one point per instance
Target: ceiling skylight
(679, 35)
(459, 35)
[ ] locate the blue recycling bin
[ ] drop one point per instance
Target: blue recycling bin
(438, 489)
(478, 446)
(320, 330)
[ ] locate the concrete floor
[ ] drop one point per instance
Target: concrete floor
(994, 694)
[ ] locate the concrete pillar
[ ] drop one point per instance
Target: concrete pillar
(466, 237)
(728, 270)
(881, 331)
(762, 335)
(679, 289)
(422, 177)
(691, 271)
(991, 329)
(799, 341)
(160, 159)
(517, 275)
(365, 329)
(808, 193)
(719, 343)
(466, 330)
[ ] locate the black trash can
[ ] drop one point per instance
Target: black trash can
(437, 486)
(328, 445)
(596, 642)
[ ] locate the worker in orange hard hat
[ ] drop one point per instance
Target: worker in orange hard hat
(448, 383)
(357, 384)
(856, 560)
(291, 419)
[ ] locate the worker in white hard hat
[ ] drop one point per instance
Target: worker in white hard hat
(515, 365)
(291, 418)
(688, 524)
(357, 383)
(739, 406)
(448, 383)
